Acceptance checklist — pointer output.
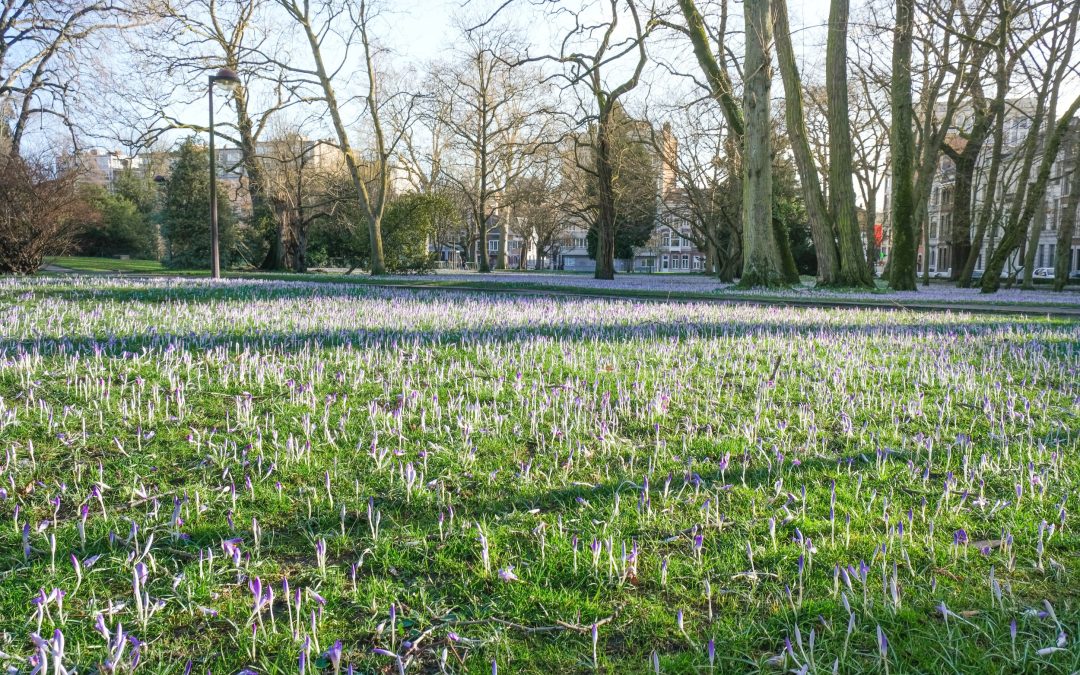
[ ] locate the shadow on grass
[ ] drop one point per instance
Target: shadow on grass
(610, 328)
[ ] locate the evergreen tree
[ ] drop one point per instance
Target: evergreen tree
(185, 223)
(116, 226)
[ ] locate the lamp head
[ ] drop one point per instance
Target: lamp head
(226, 77)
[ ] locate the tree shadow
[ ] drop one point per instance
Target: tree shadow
(612, 324)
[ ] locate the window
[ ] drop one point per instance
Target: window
(686, 262)
(664, 262)
(665, 238)
(934, 227)
(1051, 249)
(493, 245)
(946, 225)
(1042, 251)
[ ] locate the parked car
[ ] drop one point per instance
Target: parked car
(1043, 273)
(1074, 276)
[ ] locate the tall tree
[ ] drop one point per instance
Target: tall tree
(853, 269)
(763, 264)
(186, 211)
(327, 27)
(828, 258)
(192, 39)
(770, 250)
(488, 107)
(1030, 194)
(902, 138)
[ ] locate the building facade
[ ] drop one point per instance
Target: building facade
(938, 257)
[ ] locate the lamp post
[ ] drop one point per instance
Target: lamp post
(229, 79)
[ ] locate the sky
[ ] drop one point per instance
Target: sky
(421, 31)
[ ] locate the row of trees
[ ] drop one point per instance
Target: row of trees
(507, 134)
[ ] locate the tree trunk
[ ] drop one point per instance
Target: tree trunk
(504, 241)
(902, 138)
(997, 119)
(1067, 226)
(762, 263)
(924, 228)
(828, 261)
(1037, 224)
(262, 214)
(960, 232)
(871, 232)
(605, 221)
(853, 270)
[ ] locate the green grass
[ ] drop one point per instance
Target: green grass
(88, 264)
(288, 410)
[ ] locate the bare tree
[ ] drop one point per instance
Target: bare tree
(700, 184)
(191, 39)
(46, 48)
(350, 25)
(828, 258)
(587, 63)
(1030, 194)
(39, 203)
(488, 108)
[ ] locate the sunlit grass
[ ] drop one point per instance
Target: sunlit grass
(457, 479)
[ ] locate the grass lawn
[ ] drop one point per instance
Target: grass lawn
(259, 474)
(88, 264)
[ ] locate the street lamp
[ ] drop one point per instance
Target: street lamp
(229, 79)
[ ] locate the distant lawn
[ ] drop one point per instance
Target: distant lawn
(88, 264)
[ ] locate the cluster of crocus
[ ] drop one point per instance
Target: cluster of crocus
(331, 477)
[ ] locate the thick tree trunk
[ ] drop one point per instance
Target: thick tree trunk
(762, 262)
(902, 138)
(853, 270)
(1067, 226)
(960, 232)
(1038, 222)
(828, 260)
(262, 213)
(605, 221)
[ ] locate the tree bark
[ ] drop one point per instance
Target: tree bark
(871, 233)
(719, 81)
(1067, 226)
(828, 261)
(902, 254)
(762, 263)
(853, 271)
(605, 221)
